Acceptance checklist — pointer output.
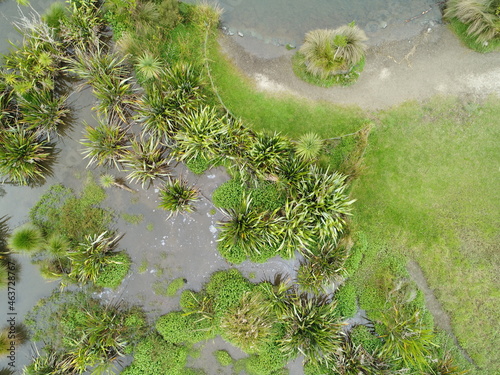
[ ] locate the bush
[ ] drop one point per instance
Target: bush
(226, 288)
(228, 195)
(480, 16)
(346, 299)
(267, 197)
(361, 335)
(198, 165)
(113, 273)
(223, 357)
(178, 328)
(269, 361)
(326, 53)
(155, 356)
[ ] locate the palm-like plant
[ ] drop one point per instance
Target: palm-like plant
(329, 52)
(51, 363)
(23, 156)
(91, 256)
(185, 86)
(42, 112)
(203, 134)
(311, 327)
(309, 146)
(176, 196)
(148, 66)
(481, 16)
(355, 360)
(405, 338)
(25, 239)
(250, 323)
(106, 144)
(146, 162)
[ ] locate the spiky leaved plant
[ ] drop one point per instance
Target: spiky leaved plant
(405, 338)
(309, 146)
(23, 156)
(177, 197)
(328, 52)
(319, 271)
(268, 152)
(146, 161)
(148, 66)
(248, 229)
(203, 134)
(91, 256)
(249, 324)
(42, 112)
(106, 144)
(311, 327)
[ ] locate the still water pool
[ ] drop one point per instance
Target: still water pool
(286, 21)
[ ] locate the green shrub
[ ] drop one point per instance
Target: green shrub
(249, 324)
(480, 16)
(113, 273)
(229, 194)
(226, 288)
(223, 357)
(178, 328)
(154, 356)
(267, 197)
(361, 335)
(233, 254)
(198, 165)
(269, 361)
(346, 299)
(355, 256)
(174, 286)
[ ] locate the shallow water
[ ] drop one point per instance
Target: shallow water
(282, 22)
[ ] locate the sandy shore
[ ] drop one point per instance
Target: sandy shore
(433, 62)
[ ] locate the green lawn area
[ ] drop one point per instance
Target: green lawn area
(430, 191)
(289, 115)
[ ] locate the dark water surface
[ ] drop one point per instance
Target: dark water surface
(281, 22)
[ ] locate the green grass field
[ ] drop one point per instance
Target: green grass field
(429, 191)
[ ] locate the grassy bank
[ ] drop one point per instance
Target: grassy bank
(430, 192)
(288, 115)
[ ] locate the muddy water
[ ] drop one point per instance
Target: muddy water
(281, 22)
(162, 249)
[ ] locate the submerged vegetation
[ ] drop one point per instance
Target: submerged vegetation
(288, 196)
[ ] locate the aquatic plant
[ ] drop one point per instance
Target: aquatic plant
(146, 161)
(105, 144)
(176, 196)
(27, 238)
(23, 156)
